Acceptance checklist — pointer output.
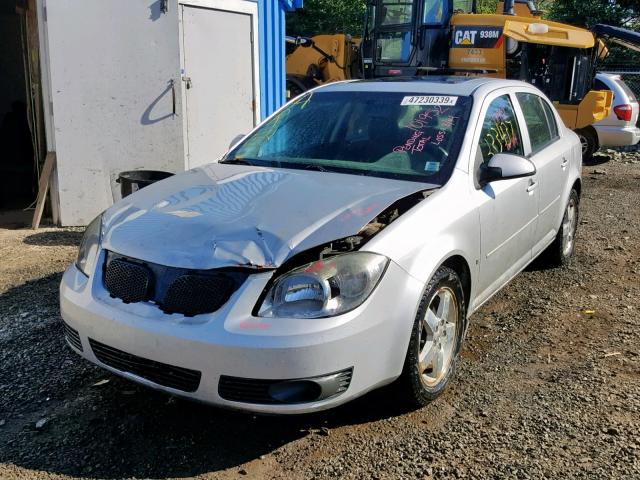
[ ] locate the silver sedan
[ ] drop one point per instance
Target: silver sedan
(340, 246)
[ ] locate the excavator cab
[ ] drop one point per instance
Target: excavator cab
(520, 8)
(403, 37)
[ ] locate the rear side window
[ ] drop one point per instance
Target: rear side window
(500, 130)
(599, 85)
(551, 119)
(625, 88)
(540, 124)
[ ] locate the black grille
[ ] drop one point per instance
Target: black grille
(251, 390)
(196, 294)
(247, 390)
(174, 290)
(72, 336)
(127, 281)
(166, 375)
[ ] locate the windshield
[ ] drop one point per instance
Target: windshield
(386, 134)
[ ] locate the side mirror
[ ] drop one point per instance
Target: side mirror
(236, 140)
(504, 166)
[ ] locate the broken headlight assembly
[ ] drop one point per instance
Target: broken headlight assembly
(89, 246)
(325, 288)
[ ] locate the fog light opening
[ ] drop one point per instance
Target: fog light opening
(296, 391)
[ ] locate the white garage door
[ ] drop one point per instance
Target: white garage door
(218, 80)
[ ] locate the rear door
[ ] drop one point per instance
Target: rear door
(551, 155)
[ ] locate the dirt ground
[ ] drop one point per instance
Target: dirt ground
(548, 385)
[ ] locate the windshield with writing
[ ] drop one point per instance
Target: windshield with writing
(386, 134)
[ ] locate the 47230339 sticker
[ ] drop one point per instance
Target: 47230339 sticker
(448, 101)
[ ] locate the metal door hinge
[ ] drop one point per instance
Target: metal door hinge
(187, 81)
(44, 13)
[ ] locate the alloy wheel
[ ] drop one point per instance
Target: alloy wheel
(437, 336)
(569, 227)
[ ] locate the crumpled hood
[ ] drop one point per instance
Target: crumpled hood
(232, 215)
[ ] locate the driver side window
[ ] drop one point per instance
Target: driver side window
(500, 131)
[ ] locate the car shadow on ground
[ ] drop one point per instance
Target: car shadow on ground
(597, 159)
(118, 429)
(61, 238)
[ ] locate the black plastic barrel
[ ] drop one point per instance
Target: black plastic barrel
(137, 179)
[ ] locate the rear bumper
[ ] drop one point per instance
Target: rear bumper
(611, 136)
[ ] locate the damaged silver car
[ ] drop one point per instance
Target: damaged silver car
(340, 246)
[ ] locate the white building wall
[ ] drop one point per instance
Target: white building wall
(111, 63)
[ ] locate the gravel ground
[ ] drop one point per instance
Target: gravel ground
(548, 385)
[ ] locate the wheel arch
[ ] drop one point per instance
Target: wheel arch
(459, 264)
(577, 186)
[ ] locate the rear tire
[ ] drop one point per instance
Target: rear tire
(561, 250)
(436, 337)
(589, 141)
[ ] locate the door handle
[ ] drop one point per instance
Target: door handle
(532, 186)
(172, 84)
(564, 163)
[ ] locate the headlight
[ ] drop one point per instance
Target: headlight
(89, 246)
(325, 288)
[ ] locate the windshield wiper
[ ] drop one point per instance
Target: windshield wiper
(237, 161)
(318, 168)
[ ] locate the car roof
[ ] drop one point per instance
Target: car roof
(608, 76)
(438, 85)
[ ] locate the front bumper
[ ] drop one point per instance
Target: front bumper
(611, 136)
(370, 342)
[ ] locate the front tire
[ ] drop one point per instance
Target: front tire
(436, 337)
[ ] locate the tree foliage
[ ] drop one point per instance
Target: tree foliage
(327, 16)
(486, 6)
(587, 13)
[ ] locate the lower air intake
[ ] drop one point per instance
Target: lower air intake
(72, 336)
(295, 391)
(170, 376)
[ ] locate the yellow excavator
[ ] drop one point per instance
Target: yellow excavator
(425, 37)
(320, 59)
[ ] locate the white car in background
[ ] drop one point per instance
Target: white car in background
(339, 246)
(620, 128)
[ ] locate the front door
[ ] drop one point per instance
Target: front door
(508, 208)
(218, 79)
